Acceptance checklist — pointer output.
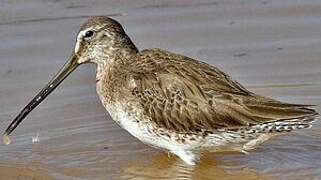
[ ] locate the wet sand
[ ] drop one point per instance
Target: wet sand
(272, 47)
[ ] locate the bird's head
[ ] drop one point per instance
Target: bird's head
(101, 39)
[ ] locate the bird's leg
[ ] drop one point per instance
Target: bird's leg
(187, 156)
(168, 154)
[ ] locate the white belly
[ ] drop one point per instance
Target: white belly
(141, 129)
(138, 128)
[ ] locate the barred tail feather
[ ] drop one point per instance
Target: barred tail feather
(283, 125)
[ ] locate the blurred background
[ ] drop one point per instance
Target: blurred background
(270, 46)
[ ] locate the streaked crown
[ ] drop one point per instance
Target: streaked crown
(101, 38)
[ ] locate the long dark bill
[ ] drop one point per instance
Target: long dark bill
(69, 67)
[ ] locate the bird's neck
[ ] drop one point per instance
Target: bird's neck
(111, 75)
(114, 57)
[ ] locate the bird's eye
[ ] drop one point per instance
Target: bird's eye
(89, 34)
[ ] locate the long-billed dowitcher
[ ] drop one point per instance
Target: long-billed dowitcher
(170, 101)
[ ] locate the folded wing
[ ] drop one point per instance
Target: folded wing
(185, 95)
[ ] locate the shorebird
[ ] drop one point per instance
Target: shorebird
(170, 101)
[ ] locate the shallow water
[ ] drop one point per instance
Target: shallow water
(272, 47)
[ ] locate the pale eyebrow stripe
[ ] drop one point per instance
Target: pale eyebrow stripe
(82, 33)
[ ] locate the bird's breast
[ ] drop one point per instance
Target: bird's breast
(132, 120)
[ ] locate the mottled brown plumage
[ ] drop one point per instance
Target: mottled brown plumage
(185, 95)
(171, 101)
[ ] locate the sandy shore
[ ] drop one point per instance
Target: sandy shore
(272, 47)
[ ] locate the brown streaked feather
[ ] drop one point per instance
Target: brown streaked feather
(185, 95)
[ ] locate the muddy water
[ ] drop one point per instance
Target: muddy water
(272, 47)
